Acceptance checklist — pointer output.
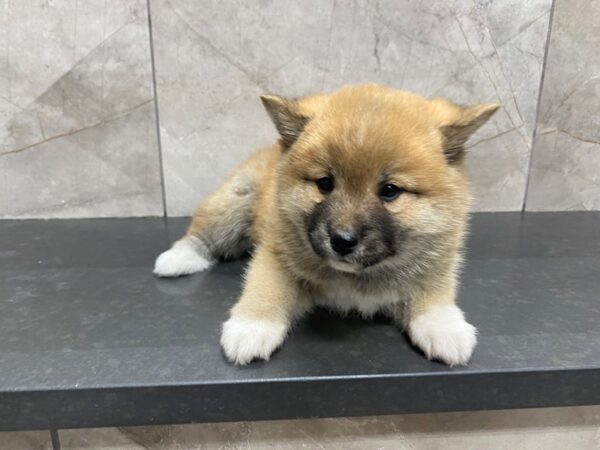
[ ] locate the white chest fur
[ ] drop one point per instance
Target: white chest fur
(345, 298)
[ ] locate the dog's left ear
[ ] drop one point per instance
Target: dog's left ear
(286, 116)
(459, 124)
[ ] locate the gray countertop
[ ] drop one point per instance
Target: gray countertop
(89, 337)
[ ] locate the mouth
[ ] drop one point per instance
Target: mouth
(355, 266)
(344, 266)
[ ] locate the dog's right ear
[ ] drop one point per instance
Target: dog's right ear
(286, 116)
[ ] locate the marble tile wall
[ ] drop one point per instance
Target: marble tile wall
(565, 168)
(78, 129)
(77, 124)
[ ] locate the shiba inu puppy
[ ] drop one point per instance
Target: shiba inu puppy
(361, 205)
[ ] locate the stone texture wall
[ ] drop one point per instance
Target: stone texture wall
(565, 164)
(77, 118)
(136, 108)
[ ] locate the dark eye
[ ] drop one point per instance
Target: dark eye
(325, 185)
(390, 192)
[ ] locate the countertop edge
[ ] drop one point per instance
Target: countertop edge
(299, 398)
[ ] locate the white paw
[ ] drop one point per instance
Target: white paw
(444, 334)
(246, 339)
(182, 259)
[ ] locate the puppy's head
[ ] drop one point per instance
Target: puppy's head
(369, 174)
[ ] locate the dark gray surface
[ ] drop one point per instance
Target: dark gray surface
(90, 338)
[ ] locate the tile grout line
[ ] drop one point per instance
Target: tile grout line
(55, 439)
(539, 103)
(156, 113)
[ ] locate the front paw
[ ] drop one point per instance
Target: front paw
(182, 259)
(246, 339)
(444, 334)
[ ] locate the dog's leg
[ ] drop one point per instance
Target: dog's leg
(220, 226)
(261, 319)
(437, 325)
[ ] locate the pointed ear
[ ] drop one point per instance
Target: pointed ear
(286, 116)
(458, 126)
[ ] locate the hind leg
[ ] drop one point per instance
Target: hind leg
(220, 226)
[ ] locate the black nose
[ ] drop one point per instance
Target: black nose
(343, 242)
